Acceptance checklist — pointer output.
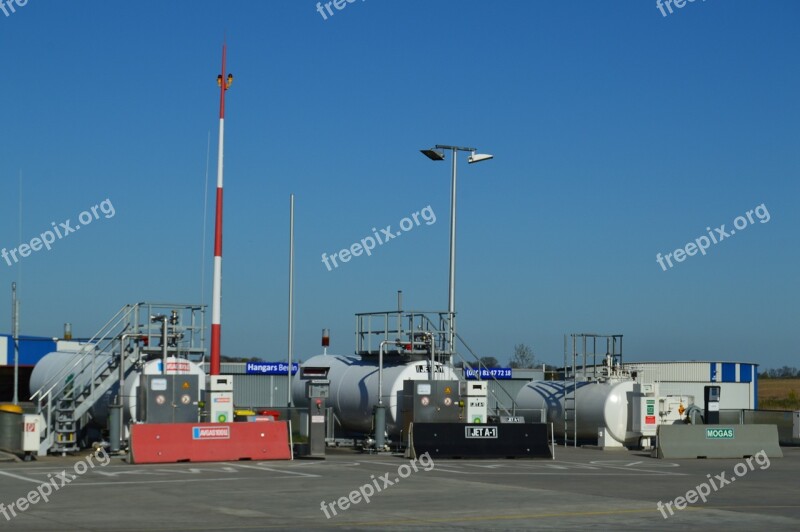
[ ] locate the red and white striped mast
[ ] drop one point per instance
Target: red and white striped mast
(216, 303)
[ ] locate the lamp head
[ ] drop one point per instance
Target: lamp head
(478, 157)
(433, 154)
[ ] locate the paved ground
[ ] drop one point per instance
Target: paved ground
(580, 489)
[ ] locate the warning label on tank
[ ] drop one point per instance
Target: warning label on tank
(211, 433)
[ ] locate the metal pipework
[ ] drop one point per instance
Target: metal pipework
(380, 410)
(117, 423)
(164, 340)
(433, 357)
(380, 369)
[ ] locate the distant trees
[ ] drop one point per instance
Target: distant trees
(523, 357)
(485, 362)
(785, 372)
(490, 362)
(240, 359)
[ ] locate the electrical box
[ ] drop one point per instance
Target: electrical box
(474, 394)
(431, 401)
(32, 425)
(168, 398)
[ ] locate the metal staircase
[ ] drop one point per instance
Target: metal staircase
(66, 399)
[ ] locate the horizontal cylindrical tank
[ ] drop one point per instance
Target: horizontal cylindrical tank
(52, 364)
(597, 405)
(354, 388)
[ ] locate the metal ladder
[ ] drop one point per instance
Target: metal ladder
(65, 424)
(570, 404)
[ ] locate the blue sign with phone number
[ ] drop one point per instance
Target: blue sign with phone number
(270, 368)
(488, 373)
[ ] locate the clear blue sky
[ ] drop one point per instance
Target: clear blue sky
(618, 134)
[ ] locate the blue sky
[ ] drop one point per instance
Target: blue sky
(618, 134)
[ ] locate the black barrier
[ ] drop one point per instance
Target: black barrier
(504, 440)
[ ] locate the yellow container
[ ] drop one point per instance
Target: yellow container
(14, 409)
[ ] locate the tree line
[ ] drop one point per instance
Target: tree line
(785, 372)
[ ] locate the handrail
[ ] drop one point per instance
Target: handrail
(409, 323)
(90, 348)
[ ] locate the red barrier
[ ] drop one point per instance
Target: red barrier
(209, 442)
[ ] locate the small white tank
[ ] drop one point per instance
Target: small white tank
(354, 388)
(597, 404)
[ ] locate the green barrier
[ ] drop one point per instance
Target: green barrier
(716, 441)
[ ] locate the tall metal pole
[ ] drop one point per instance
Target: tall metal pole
(216, 327)
(15, 331)
(291, 298)
(451, 297)
(436, 155)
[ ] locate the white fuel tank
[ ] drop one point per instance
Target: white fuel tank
(354, 388)
(597, 404)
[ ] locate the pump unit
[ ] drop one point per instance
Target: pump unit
(220, 398)
(474, 394)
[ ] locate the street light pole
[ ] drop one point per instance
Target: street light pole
(436, 154)
(451, 296)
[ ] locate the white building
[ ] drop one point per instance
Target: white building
(738, 380)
